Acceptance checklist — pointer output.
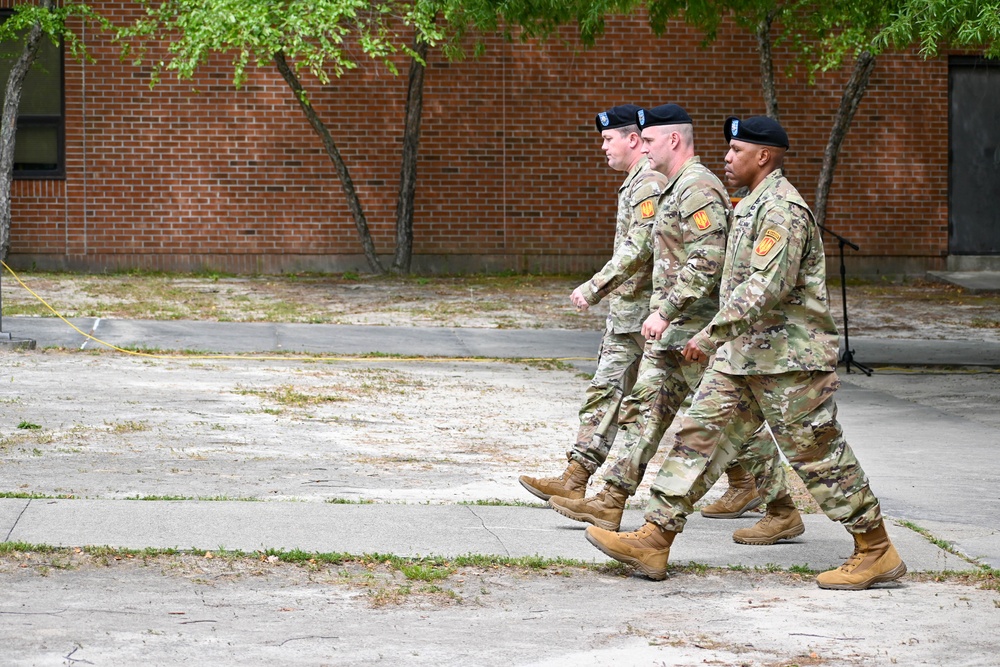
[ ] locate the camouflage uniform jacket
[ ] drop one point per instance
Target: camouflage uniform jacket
(689, 248)
(774, 316)
(627, 276)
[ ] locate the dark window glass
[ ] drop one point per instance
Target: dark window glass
(39, 151)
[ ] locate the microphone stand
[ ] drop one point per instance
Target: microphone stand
(848, 357)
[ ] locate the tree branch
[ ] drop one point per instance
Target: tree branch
(8, 125)
(353, 203)
(853, 93)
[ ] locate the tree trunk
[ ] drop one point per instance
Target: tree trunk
(851, 97)
(767, 65)
(8, 125)
(408, 171)
(353, 203)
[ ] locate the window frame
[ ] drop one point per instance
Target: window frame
(46, 120)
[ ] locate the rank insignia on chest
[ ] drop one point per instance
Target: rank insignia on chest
(647, 209)
(765, 244)
(701, 220)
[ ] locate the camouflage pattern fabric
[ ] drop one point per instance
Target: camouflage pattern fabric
(774, 316)
(617, 364)
(665, 380)
(692, 218)
(760, 458)
(726, 412)
(627, 277)
(775, 364)
(690, 245)
(627, 282)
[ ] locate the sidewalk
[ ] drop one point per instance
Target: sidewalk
(961, 507)
(233, 338)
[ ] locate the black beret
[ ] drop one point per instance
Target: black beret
(665, 114)
(620, 116)
(755, 130)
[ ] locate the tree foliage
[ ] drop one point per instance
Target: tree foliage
(54, 22)
(328, 38)
(325, 37)
(945, 23)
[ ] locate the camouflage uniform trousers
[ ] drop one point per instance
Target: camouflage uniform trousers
(617, 364)
(665, 380)
(760, 458)
(800, 409)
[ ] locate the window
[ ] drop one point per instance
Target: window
(39, 150)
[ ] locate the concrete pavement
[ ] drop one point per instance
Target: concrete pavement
(260, 337)
(929, 467)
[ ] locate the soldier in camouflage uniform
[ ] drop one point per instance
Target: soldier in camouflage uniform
(626, 280)
(692, 221)
(775, 346)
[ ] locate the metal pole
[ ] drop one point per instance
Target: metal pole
(3, 336)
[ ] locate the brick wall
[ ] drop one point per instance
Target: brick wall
(196, 174)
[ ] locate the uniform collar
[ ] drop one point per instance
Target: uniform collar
(751, 199)
(640, 166)
(694, 159)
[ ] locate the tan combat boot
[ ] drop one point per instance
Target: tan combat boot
(647, 549)
(740, 497)
(782, 522)
(874, 560)
(603, 510)
(571, 484)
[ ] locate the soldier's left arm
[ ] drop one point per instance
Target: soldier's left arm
(774, 268)
(635, 250)
(705, 223)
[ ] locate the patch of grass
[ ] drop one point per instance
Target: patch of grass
(349, 501)
(28, 425)
(26, 310)
(127, 426)
(941, 544)
(299, 556)
(545, 364)
(196, 498)
(385, 596)
(26, 547)
(35, 496)
(287, 395)
(421, 572)
(496, 502)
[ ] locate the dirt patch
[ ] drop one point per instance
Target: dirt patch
(83, 609)
(914, 309)
(395, 431)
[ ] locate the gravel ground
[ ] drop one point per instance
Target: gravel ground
(103, 425)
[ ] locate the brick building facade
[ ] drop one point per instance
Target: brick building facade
(199, 175)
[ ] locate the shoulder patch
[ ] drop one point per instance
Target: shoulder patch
(701, 220)
(765, 245)
(768, 246)
(710, 219)
(647, 209)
